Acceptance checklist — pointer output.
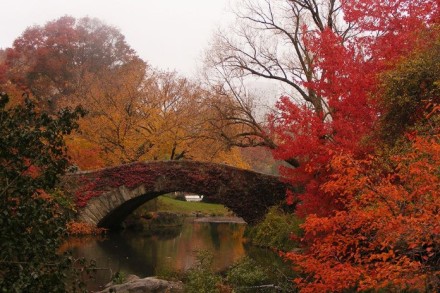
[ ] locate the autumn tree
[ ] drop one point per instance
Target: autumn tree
(268, 42)
(326, 54)
(134, 112)
(179, 116)
(308, 48)
(184, 122)
(386, 236)
(336, 53)
(32, 157)
(147, 116)
(66, 63)
(110, 130)
(53, 61)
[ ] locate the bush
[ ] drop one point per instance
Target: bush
(80, 228)
(201, 278)
(276, 230)
(119, 278)
(247, 273)
(32, 222)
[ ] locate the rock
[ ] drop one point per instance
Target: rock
(146, 285)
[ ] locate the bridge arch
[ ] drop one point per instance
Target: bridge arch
(107, 196)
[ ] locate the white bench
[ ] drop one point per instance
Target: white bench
(193, 197)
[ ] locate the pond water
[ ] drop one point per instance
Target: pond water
(146, 255)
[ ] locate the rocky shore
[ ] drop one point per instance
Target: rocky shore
(134, 284)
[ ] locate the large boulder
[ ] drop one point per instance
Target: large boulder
(146, 285)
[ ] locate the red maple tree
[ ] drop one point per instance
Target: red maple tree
(371, 204)
(347, 74)
(388, 236)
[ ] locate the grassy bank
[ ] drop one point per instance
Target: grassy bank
(167, 204)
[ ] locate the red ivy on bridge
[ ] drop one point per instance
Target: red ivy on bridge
(94, 184)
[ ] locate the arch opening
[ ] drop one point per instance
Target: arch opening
(113, 220)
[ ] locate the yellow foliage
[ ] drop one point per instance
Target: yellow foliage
(138, 116)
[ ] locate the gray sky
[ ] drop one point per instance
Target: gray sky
(169, 34)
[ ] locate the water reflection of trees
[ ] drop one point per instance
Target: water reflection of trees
(137, 253)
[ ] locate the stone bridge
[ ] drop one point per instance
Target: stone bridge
(106, 197)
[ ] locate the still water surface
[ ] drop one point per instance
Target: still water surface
(143, 255)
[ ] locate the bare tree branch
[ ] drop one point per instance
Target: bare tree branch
(267, 43)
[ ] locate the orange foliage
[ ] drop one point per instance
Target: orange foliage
(135, 113)
(81, 228)
(83, 153)
(42, 194)
(389, 234)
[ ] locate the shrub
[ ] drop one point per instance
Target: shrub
(119, 278)
(276, 230)
(202, 278)
(247, 273)
(32, 222)
(81, 228)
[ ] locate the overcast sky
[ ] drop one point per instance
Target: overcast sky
(169, 34)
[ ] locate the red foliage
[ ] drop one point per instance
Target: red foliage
(54, 60)
(131, 176)
(314, 138)
(388, 236)
(96, 183)
(346, 73)
(371, 222)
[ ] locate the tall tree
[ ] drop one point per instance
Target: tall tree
(269, 42)
(386, 233)
(52, 61)
(327, 54)
(135, 112)
(310, 47)
(157, 116)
